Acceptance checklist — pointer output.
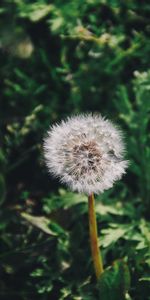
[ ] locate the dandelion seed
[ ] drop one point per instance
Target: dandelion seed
(86, 153)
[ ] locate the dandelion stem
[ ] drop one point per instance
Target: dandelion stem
(96, 255)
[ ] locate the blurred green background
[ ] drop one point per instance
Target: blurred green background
(58, 58)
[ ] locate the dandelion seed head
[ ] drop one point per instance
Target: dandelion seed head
(86, 153)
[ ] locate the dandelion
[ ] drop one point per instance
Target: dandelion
(86, 152)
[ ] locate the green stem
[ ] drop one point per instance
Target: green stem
(96, 255)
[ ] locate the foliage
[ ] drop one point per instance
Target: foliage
(115, 282)
(56, 59)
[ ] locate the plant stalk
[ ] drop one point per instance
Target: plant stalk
(96, 254)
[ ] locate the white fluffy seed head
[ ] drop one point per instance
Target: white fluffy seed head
(86, 153)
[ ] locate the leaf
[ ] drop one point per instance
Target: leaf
(69, 199)
(44, 224)
(112, 235)
(64, 200)
(36, 11)
(37, 273)
(143, 237)
(144, 279)
(145, 229)
(114, 283)
(105, 209)
(56, 23)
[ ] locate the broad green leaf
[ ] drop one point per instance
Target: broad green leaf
(36, 11)
(113, 234)
(44, 224)
(106, 209)
(64, 200)
(114, 283)
(144, 279)
(37, 273)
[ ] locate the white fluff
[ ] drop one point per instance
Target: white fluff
(86, 153)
